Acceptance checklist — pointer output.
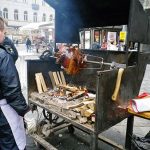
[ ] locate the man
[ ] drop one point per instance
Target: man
(10, 47)
(96, 45)
(12, 103)
(28, 44)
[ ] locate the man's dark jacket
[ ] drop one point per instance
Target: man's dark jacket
(10, 88)
(9, 45)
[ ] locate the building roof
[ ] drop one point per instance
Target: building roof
(35, 26)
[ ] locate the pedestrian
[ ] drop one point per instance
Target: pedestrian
(13, 106)
(37, 45)
(10, 47)
(28, 44)
(96, 45)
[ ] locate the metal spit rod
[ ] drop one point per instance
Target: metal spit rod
(112, 65)
(97, 62)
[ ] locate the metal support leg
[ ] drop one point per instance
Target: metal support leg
(129, 132)
(48, 116)
(94, 141)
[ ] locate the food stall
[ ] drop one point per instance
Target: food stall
(111, 87)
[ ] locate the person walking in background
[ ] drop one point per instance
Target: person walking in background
(28, 44)
(96, 45)
(10, 47)
(13, 106)
(37, 45)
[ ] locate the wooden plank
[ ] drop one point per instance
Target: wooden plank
(43, 83)
(55, 78)
(80, 104)
(38, 83)
(42, 142)
(59, 78)
(63, 78)
(52, 79)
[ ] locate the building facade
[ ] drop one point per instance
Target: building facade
(18, 13)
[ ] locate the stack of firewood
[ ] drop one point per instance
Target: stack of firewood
(85, 110)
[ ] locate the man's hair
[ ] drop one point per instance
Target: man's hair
(2, 24)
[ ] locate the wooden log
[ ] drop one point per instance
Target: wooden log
(82, 120)
(69, 88)
(82, 110)
(80, 104)
(72, 114)
(74, 106)
(88, 112)
(78, 95)
(91, 106)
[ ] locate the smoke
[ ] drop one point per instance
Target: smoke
(67, 21)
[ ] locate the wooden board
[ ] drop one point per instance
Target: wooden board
(38, 82)
(41, 85)
(43, 82)
(55, 78)
(59, 78)
(62, 78)
(52, 79)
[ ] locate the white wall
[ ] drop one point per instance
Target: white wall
(11, 5)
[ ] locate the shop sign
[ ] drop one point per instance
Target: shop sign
(123, 35)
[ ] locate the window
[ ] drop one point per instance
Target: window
(35, 17)
(51, 17)
(25, 15)
(34, 1)
(44, 17)
(5, 13)
(16, 17)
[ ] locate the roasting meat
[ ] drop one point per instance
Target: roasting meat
(72, 60)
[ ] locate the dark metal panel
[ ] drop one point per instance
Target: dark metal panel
(37, 66)
(108, 113)
(148, 31)
(138, 23)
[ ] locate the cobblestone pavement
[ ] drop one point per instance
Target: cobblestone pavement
(116, 133)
